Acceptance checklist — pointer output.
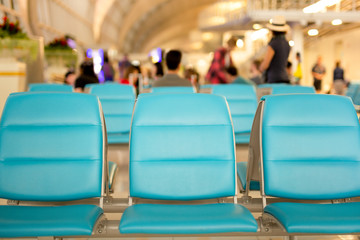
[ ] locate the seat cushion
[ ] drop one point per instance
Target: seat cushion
(241, 168)
(29, 221)
(242, 137)
(343, 218)
(187, 219)
(112, 169)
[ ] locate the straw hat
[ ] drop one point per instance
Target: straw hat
(278, 24)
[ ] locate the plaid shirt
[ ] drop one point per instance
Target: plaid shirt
(216, 73)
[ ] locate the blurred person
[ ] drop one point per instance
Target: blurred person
(298, 71)
(277, 53)
(87, 76)
(289, 72)
(147, 77)
(255, 72)
(339, 83)
(70, 78)
(233, 77)
(131, 76)
(338, 72)
(318, 72)
(108, 69)
(193, 76)
(172, 78)
(222, 60)
(123, 65)
(158, 70)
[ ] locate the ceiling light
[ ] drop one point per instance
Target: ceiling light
(313, 32)
(239, 43)
(291, 43)
(257, 26)
(197, 45)
(320, 6)
(259, 34)
(135, 63)
(207, 36)
(336, 22)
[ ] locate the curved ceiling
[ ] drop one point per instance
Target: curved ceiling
(162, 20)
(128, 25)
(143, 24)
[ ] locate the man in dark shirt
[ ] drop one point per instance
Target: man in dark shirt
(338, 72)
(171, 78)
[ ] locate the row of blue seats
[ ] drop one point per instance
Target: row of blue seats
(118, 101)
(182, 148)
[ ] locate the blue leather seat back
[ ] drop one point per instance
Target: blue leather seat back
(287, 89)
(173, 90)
(51, 147)
(49, 87)
(181, 147)
(352, 89)
(242, 102)
(356, 94)
(310, 147)
(117, 101)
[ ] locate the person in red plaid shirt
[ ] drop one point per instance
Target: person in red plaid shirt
(222, 60)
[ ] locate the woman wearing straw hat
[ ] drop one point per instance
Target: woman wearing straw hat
(277, 53)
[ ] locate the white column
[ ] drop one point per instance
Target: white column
(298, 38)
(12, 78)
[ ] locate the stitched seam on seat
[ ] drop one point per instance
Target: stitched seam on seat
(118, 114)
(184, 160)
(184, 125)
(50, 125)
(311, 126)
(49, 160)
(242, 115)
(316, 160)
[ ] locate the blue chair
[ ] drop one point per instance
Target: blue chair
(117, 101)
(310, 152)
(49, 87)
(180, 149)
(173, 90)
(52, 150)
(242, 103)
(275, 89)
